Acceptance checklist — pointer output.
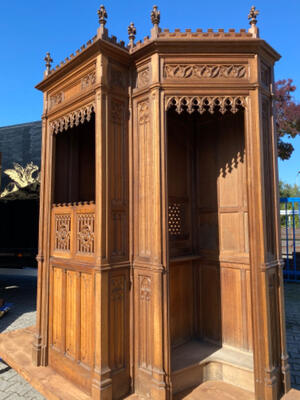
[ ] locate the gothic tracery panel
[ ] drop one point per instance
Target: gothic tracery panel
(86, 233)
(62, 232)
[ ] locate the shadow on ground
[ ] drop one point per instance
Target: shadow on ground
(18, 286)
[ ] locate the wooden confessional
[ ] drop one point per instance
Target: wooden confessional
(159, 255)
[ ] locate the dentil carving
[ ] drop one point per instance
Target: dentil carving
(204, 71)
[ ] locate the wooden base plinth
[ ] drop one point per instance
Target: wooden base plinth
(293, 394)
(15, 350)
(196, 362)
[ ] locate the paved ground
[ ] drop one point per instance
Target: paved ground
(292, 310)
(19, 287)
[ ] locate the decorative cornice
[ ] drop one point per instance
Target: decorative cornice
(205, 71)
(72, 119)
(206, 103)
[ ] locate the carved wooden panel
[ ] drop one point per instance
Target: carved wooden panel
(85, 233)
(56, 99)
(72, 313)
(143, 77)
(118, 172)
(73, 231)
(268, 179)
(274, 316)
(88, 80)
(205, 71)
(265, 74)
(86, 319)
(181, 302)
(143, 170)
(63, 232)
(118, 316)
(145, 320)
(71, 322)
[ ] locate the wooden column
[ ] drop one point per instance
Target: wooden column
(149, 259)
(264, 249)
(101, 381)
(40, 345)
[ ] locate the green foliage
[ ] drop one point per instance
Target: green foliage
(287, 190)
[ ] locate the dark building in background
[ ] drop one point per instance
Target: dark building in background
(20, 151)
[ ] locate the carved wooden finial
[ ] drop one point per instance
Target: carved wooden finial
(131, 34)
(252, 15)
(155, 19)
(102, 15)
(253, 21)
(155, 16)
(49, 61)
(102, 31)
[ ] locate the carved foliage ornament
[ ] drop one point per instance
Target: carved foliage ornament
(88, 80)
(204, 71)
(62, 232)
(145, 288)
(203, 104)
(58, 98)
(72, 119)
(143, 78)
(117, 112)
(85, 233)
(143, 112)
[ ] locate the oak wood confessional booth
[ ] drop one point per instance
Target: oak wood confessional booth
(159, 255)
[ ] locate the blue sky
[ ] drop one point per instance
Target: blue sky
(29, 29)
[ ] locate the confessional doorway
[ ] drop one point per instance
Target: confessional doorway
(73, 253)
(209, 269)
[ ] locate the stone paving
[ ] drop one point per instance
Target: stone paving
(19, 287)
(292, 311)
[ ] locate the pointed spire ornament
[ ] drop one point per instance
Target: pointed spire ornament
(102, 14)
(155, 16)
(131, 34)
(253, 21)
(49, 61)
(155, 19)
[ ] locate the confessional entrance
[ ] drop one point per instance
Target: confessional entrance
(72, 253)
(210, 305)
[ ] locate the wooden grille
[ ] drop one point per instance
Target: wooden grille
(86, 233)
(62, 232)
(175, 219)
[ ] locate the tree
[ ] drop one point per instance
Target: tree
(287, 116)
(287, 190)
